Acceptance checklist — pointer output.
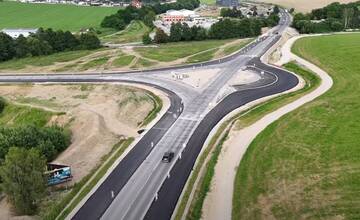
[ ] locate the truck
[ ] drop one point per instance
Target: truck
(57, 174)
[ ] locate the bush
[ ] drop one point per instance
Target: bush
(2, 104)
(146, 39)
(89, 41)
(50, 141)
(23, 179)
(161, 37)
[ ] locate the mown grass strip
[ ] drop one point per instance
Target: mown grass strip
(82, 188)
(158, 104)
(203, 187)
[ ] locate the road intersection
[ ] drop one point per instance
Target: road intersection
(143, 187)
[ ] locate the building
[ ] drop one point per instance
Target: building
(15, 33)
(228, 3)
(179, 16)
(136, 3)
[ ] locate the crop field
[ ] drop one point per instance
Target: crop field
(307, 164)
(56, 16)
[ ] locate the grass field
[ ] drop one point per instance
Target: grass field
(307, 164)
(133, 33)
(15, 115)
(173, 51)
(208, 2)
(56, 16)
(43, 60)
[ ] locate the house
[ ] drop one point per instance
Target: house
(15, 33)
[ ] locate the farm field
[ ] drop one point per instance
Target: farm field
(65, 17)
(307, 164)
(304, 5)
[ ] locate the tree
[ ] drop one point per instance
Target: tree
(89, 41)
(336, 26)
(38, 47)
(186, 34)
(21, 47)
(160, 36)
(149, 18)
(23, 179)
(2, 104)
(7, 49)
(146, 39)
(175, 32)
(276, 9)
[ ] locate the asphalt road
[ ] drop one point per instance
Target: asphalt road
(171, 190)
(140, 176)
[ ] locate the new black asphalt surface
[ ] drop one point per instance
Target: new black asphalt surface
(163, 207)
(171, 189)
(100, 200)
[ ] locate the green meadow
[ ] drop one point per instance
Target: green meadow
(307, 164)
(56, 16)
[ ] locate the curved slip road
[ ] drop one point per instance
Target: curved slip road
(136, 192)
(163, 207)
(236, 147)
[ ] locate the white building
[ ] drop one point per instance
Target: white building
(179, 15)
(15, 33)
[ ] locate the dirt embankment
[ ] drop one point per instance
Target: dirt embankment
(98, 116)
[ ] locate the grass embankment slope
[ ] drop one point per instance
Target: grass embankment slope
(208, 2)
(132, 34)
(126, 59)
(56, 16)
(307, 164)
(16, 115)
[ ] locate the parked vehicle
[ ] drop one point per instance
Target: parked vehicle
(57, 174)
(168, 156)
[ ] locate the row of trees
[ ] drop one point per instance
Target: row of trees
(332, 18)
(231, 13)
(45, 42)
(224, 29)
(50, 141)
(147, 14)
(123, 17)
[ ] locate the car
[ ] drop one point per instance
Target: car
(168, 156)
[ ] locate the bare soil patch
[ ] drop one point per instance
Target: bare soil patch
(98, 116)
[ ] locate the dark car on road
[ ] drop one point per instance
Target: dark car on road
(168, 156)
